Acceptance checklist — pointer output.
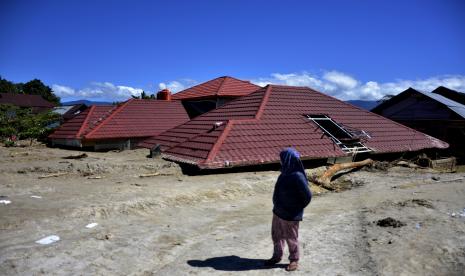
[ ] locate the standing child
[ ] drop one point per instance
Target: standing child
(291, 195)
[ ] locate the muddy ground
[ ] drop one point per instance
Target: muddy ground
(173, 224)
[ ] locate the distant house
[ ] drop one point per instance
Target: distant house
(438, 113)
(253, 129)
(450, 94)
(213, 94)
(104, 127)
(35, 102)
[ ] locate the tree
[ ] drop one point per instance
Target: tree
(144, 96)
(7, 86)
(33, 87)
(37, 87)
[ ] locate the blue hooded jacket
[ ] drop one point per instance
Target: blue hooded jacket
(291, 192)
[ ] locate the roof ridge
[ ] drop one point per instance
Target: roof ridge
(215, 148)
(92, 107)
(113, 112)
(218, 92)
(246, 81)
(260, 110)
(182, 91)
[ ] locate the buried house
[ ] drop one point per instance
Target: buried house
(439, 113)
(119, 127)
(253, 130)
(213, 94)
(36, 103)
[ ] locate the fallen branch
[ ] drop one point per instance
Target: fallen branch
(324, 180)
(149, 174)
(53, 175)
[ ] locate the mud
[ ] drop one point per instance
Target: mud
(173, 224)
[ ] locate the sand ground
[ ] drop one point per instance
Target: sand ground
(173, 224)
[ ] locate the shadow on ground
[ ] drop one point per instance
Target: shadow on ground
(233, 263)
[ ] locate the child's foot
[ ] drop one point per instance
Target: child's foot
(292, 266)
(272, 261)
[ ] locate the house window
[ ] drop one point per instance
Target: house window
(349, 140)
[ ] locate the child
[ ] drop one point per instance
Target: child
(291, 195)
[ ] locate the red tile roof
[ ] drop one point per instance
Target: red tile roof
(81, 123)
(132, 119)
(255, 128)
(25, 100)
(222, 86)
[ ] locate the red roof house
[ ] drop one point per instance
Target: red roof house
(36, 102)
(255, 128)
(122, 126)
(212, 94)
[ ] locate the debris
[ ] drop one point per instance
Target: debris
(34, 196)
(5, 201)
(420, 202)
(91, 225)
(108, 236)
(418, 225)
(48, 240)
(436, 178)
(80, 156)
(452, 180)
(53, 175)
(462, 214)
(443, 164)
(139, 185)
(407, 164)
(149, 174)
(453, 215)
(95, 177)
(390, 222)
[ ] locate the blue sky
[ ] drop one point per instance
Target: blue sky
(348, 49)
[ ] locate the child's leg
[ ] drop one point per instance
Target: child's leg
(293, 244)
(278, 249)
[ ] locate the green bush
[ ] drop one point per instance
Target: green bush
(23, 124)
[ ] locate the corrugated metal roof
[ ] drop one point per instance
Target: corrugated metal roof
(222, 86)
(452, 105)
(255, 128)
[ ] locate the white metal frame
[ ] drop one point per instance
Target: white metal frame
(359, 148)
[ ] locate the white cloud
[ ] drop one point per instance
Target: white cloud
(177, 85)
(173, 86)
(340, 79)
(97, 91)
(63, 91)
(345, 87)
(334, 83)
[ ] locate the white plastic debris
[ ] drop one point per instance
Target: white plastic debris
(91, 225)
(5, 201)
(34, 196)
(452, 215)
(48, 240)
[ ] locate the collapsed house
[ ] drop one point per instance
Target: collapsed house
(438, 113)
(212, 94)
(122, 126)
(253, 130)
